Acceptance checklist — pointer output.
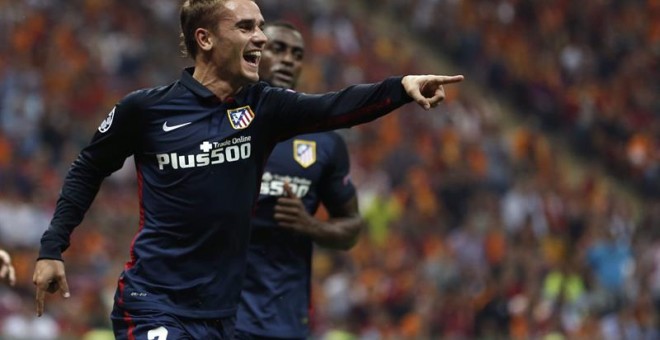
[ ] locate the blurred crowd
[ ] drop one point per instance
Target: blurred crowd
(476, 229)
(587, 70)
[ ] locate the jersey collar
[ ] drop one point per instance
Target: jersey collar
(193, 85)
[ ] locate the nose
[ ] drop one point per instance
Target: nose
(288, 57)
(259, 38)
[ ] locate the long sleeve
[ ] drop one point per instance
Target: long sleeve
(111, 145)
(290, 113)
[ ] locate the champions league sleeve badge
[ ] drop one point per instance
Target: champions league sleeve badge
(304, 152)
(107, 122)
(241, 117)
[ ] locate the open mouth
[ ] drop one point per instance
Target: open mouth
(252, 57)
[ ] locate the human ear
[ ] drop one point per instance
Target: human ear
(204, 39)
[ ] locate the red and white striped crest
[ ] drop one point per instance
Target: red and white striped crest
(241, 117)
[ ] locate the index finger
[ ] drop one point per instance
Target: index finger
(41, 293)
(447, 79)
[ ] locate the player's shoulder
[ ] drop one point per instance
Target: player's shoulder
(253, 93)
(333, 138)
(330, 140)
(145, 97)
(262, 88)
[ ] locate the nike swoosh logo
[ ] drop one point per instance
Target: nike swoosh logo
(167, 128)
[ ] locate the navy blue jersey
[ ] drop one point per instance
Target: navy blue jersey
(276, 291)
(199, 163)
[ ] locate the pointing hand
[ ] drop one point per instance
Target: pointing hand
(427, 90)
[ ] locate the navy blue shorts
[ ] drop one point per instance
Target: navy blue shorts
(157, 325)
(242, 335)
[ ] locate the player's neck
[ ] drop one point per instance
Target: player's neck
(208, 76)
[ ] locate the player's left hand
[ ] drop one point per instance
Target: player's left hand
(7, 272)
(427, 90)
(290, 212)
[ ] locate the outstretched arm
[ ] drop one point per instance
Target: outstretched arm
(341, 231)
(7, 272)
(289, 113)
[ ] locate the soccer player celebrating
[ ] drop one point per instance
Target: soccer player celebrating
(301, 172)
(200, 145)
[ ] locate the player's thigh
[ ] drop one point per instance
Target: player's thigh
(242, 335)
(146, 325)
(155, 325)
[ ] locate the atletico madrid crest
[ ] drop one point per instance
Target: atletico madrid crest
(241, 117)
(304, 152)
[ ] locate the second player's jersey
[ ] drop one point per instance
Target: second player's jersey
(199, 163)
(276, 291)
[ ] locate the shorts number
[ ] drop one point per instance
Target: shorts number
(159, 333)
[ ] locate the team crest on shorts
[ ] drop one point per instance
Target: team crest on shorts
(241, 117)
(304, 152)
(107, 122)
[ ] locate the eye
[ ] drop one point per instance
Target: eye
(277, 47)
(246, 25)
(298, 55)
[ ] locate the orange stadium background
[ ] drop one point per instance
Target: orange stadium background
(526, 206)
